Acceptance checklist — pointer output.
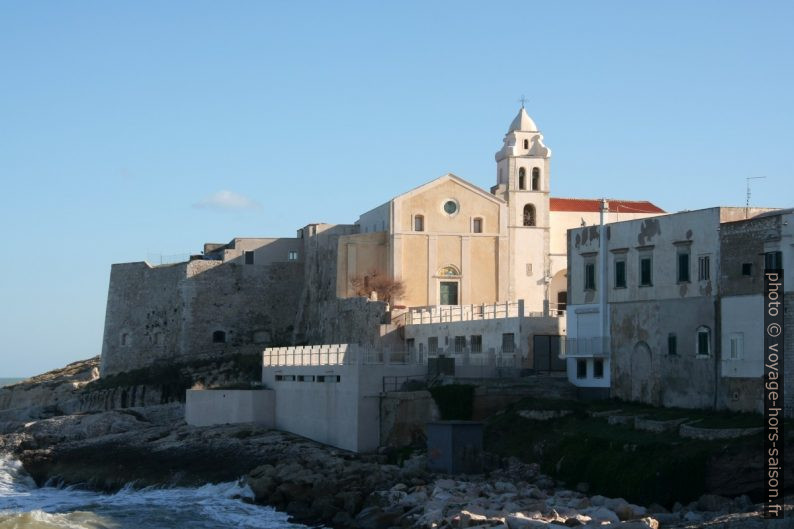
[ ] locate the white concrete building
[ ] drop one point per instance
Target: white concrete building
(331, 393)
(487, 340)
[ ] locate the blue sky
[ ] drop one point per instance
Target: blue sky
(120, 120)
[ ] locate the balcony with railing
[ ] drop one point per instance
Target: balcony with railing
(491, 311)
(586, 347)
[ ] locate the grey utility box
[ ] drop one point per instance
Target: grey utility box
(454, 447)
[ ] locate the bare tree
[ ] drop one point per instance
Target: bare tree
(386, 288)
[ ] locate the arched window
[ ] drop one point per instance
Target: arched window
(529, 215)
(535, 179)
(219, 337)
(522, 177)
(419, 223)
(526, 144)
(449, 271)
(703, 346)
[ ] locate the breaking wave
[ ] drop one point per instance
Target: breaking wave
(23, 505)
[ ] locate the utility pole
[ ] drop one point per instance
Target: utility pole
(602, 268)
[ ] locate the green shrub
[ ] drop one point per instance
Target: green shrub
(455, 402)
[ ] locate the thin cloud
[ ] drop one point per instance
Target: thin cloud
(227, 201)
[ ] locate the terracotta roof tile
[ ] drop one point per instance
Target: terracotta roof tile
(615, 206)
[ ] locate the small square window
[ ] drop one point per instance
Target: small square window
(672, 344)
(476, 343)
(747, 269)
(249, 258)
(581, 368)
(598, 368)
(476, 226)
(508, 342)
(704, 341)
(293, 255)
(460, 344)
(736, 351)
(589, 276)
(432, 345)
(646, 272)
(773, 260)
(620, 274)
(704, 268)
(683, 267)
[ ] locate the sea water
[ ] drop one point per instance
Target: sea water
(23, 505)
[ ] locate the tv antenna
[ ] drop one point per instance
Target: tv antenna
(747, 202)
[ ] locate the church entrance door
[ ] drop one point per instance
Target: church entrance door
(449, 293)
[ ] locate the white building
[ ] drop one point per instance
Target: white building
(683, 307)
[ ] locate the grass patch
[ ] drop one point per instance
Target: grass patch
(615, 460)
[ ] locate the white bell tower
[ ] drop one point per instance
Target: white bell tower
(522, 180)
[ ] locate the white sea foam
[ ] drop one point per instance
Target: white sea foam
(25, 506)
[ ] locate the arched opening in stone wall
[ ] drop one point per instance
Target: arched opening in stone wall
(219, 337)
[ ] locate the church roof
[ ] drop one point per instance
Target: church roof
(523, 123)
(615, 206)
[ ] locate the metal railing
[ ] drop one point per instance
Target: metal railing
(592, 346)
(451, 313)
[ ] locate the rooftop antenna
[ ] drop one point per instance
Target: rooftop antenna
(747, 202)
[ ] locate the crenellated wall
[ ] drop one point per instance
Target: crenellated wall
(169, 313)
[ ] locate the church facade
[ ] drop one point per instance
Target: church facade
(453, 243)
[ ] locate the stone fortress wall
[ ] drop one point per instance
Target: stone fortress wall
(237, 298)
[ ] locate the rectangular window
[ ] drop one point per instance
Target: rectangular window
(448, 292)
(704, 343)
(460, 344)
(581, 369)
(646, 276)
(432, 345)
(476, 226)
(476, 343)
(737, 346)
(620, 274)
(598, 368)
(293, 255)
(672, 344)
(773, 260)
(508, 343)
(704, 268)
(747, 269)
(419, 223)
(249, 258)
(409, 344)
(589, 276)
(683, 266)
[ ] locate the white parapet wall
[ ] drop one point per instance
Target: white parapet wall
(331, 393)
(208, 407)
